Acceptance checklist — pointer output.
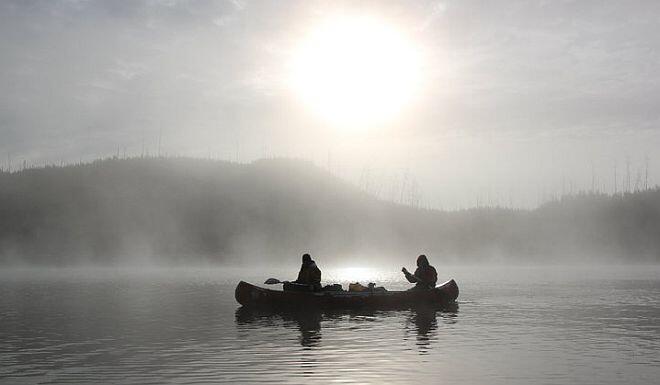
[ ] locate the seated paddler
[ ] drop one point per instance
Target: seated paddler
(425, 276)
(309, 277)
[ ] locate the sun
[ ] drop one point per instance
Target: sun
(356, 73)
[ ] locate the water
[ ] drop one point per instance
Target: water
(556, 325)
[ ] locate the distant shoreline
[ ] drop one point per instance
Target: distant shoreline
(182, 211)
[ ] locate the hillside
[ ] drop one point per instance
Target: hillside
(182, 210)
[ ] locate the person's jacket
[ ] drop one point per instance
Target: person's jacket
(425, 277)
(309, 274)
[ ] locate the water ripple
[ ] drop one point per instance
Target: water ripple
(139, 328)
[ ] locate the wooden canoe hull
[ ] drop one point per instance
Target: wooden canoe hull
(253, 296)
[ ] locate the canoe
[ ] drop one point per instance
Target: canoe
(253, 296)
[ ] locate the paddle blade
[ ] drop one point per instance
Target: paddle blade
(272, 281)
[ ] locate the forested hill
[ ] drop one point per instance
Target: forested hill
(187, 211)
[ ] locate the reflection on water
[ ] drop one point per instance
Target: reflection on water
(308, 323)
(421, 321)
(424, 323)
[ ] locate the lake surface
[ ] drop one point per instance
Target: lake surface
(513, 325)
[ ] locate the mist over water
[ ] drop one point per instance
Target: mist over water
(154, 153)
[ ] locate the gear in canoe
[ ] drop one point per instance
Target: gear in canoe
(441, 296)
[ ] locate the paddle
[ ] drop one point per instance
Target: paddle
(273, 281)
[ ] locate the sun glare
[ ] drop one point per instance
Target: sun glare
(354, 274)
(355, 72)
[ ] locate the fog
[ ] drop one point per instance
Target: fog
(187, 212)
(174, 133)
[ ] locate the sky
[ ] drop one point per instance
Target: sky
(513, 102)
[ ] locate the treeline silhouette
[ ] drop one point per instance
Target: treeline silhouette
(186, 211)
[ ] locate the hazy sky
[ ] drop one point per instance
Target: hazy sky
(516, 99)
